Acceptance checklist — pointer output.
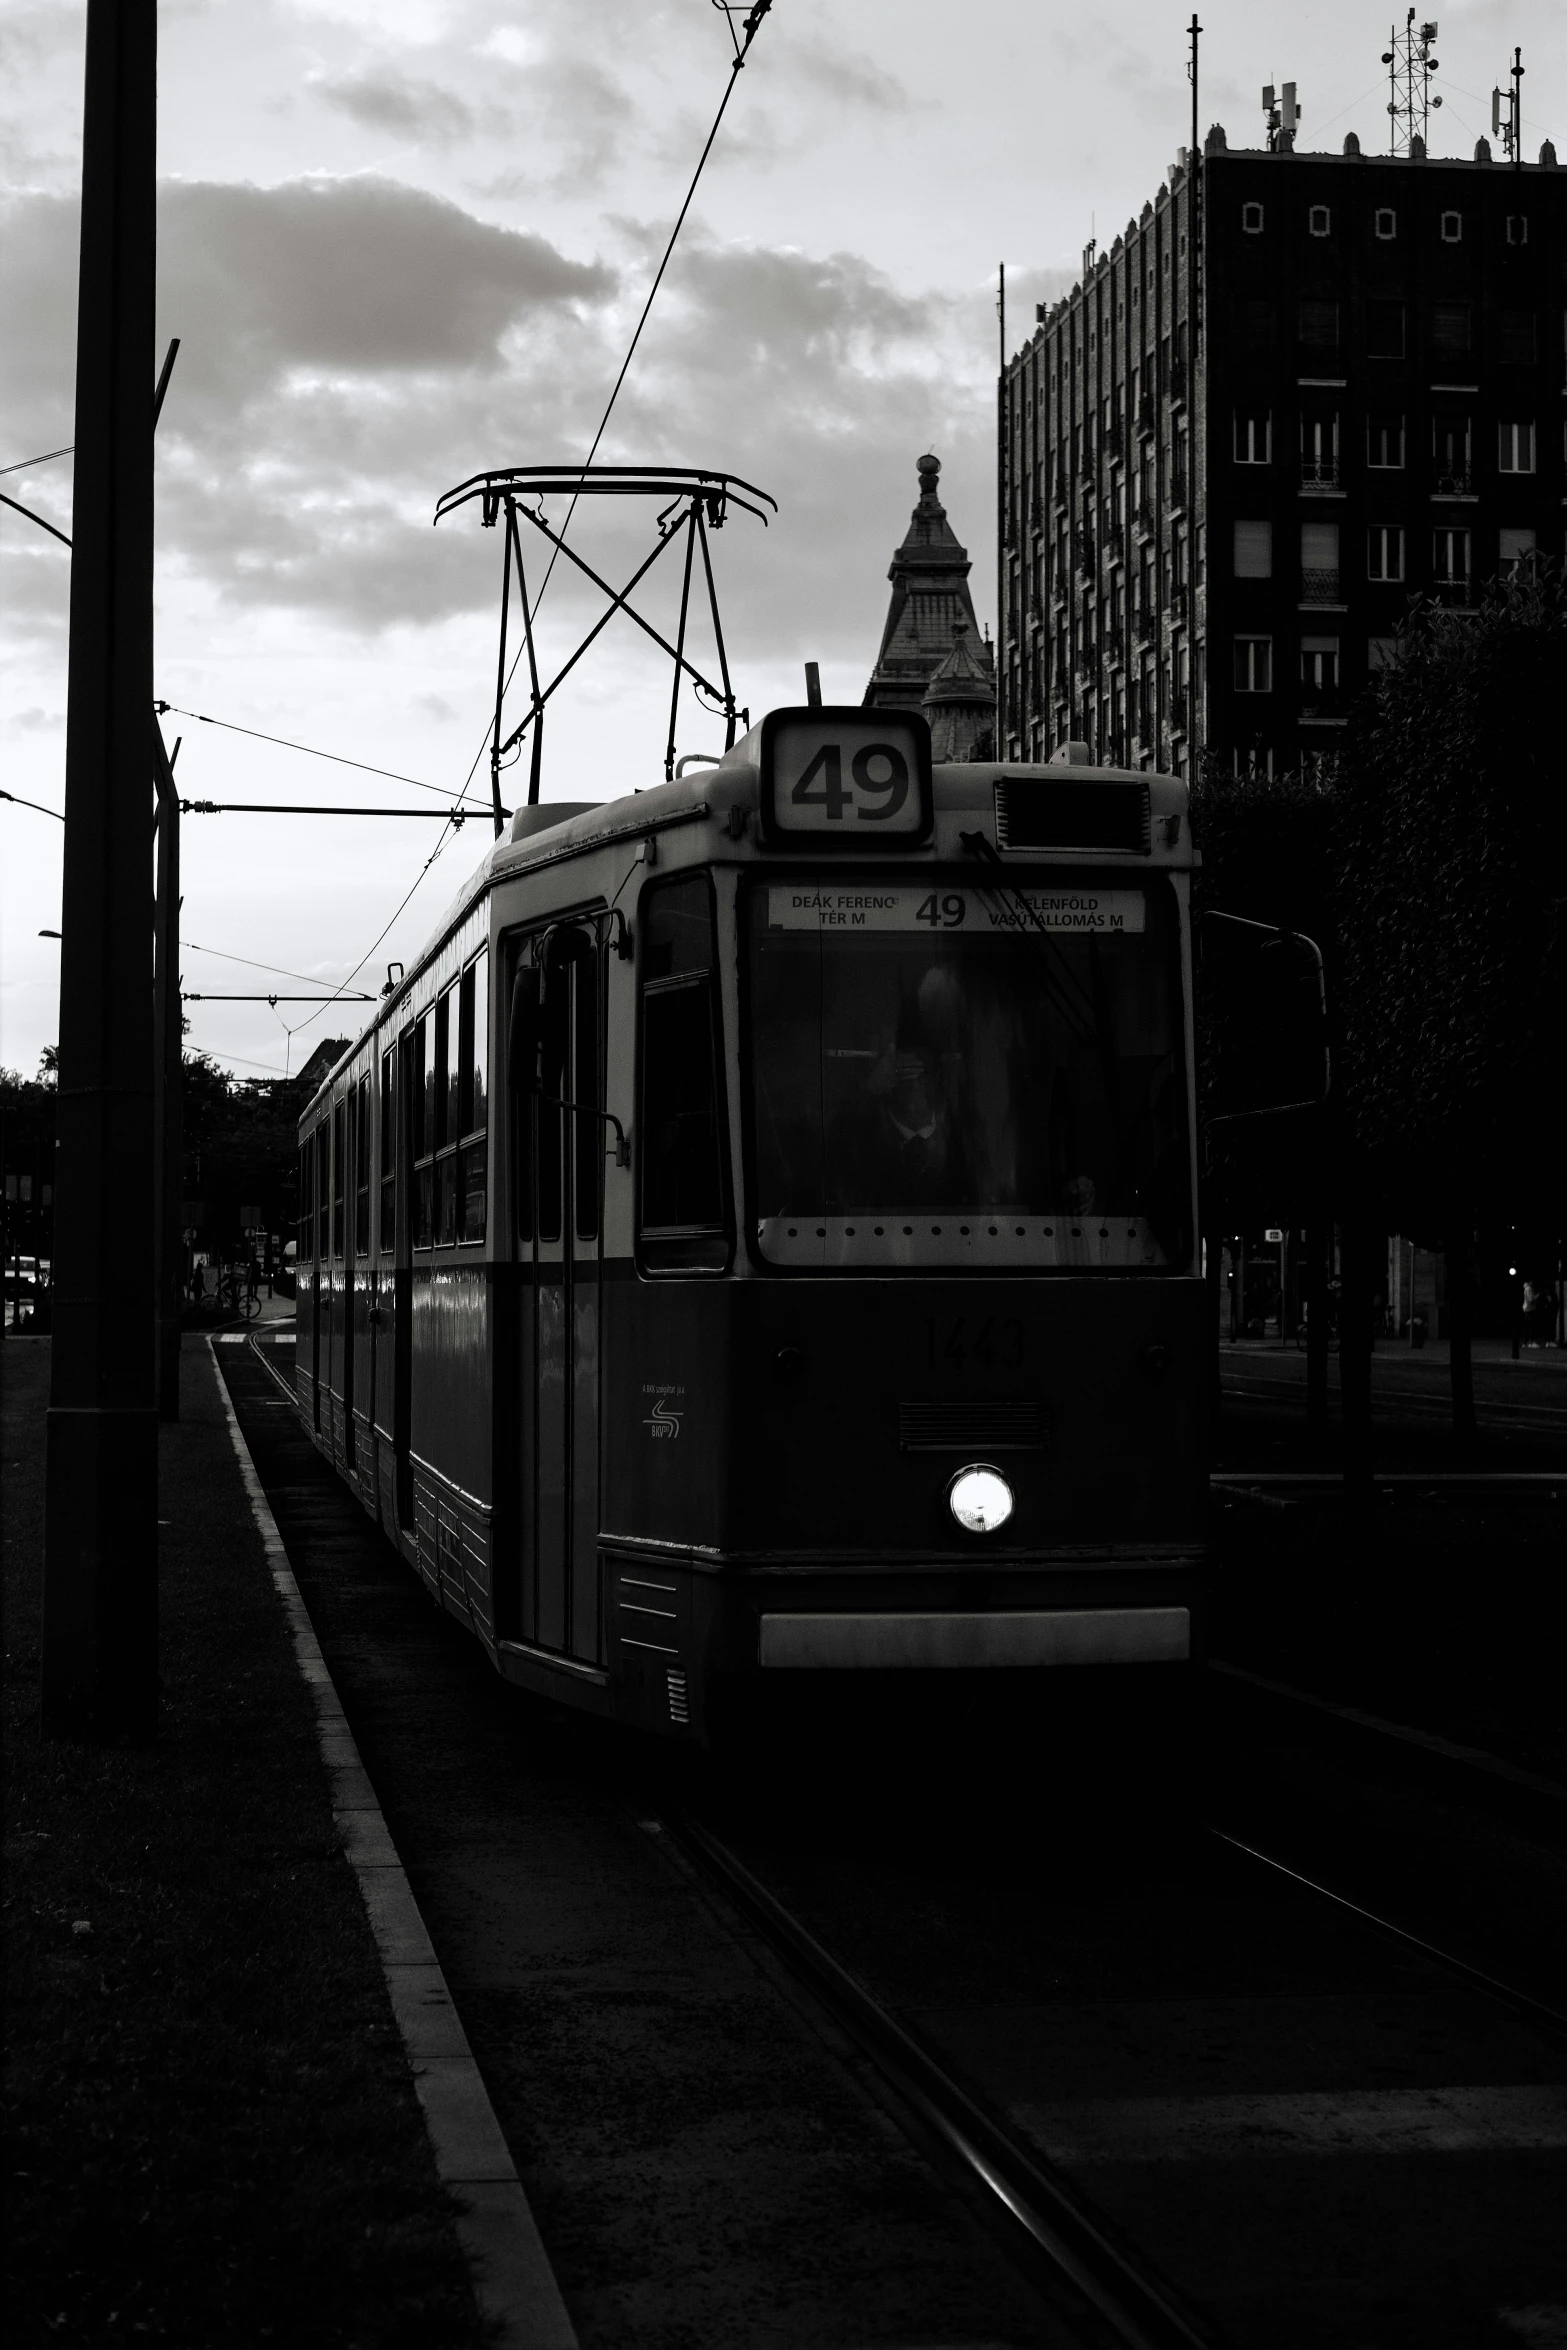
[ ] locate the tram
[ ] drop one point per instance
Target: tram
(758, 1234)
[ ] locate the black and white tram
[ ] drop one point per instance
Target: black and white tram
(758, 1234)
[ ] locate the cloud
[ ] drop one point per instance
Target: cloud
(351, 348)
(381, 99)
(361, 276)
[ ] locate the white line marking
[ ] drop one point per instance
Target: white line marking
(1335, 2121)
(513, 2282)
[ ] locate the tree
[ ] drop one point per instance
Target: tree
(1450, 935)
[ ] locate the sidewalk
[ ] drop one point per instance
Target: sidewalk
(214, 2136)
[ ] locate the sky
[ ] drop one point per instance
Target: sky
(403, 241)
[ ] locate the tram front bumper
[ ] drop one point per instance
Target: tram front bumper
(924, 1639)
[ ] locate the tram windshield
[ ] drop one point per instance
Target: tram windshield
(961, 1075)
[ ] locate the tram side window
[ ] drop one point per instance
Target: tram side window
(362, 1169)
(305, 1234)
(473, 1110)
(521, 1063)
(445, 1089)
(588, 1139)
(339, 1173)
(681, 1216)
(388, 1233)
(422, 1102)
(323, 1141)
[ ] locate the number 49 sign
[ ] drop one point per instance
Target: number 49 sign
(855, 779)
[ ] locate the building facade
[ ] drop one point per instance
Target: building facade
(1209, 539)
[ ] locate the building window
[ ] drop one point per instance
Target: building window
(1254, 550)
(1515, 452)
(1450, 330)
(1515, 347)
(1251, 219)
(1450, 558)
(1385, 443)
(1452, 228)
(1319, 572)
(1380, 652)
(1387, 224)
(1319, 450)
(1450, 456)
(1385, 551)
(1254, 437)
(1318, 672)
(1515, 551)
(1319, 221)
(1319, 325)
(1518, 228)
(1384, 330)
(1254, 664)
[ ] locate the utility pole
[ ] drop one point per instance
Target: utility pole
(168, 1107)
(1195, 444)
(100, 1629)
(1001, 496)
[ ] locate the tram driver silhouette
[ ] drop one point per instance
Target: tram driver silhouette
(897, 1143)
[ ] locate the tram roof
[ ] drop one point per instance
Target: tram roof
(967, 788)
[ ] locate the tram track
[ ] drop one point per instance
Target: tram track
(1033, 2206)
(1036, 2209)
(982, 2005)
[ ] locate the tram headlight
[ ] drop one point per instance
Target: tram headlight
(980, 1499)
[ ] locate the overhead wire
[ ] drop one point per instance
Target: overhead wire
(22, 463)
(392, 774)
(753, 22)
(190, 946)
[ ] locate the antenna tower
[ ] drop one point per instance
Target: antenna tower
(1410, 66)
(1507, 112)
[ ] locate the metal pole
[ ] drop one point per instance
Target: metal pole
(100, 1627)
(500, 679)
(1002, 458)
(1196, 446)
(168, 1105)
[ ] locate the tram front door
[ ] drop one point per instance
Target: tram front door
(556, 1055)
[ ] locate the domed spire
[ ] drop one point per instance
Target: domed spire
(930, 600)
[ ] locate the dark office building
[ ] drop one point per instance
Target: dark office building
(1209, 540)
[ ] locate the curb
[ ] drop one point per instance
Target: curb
(513, 2282)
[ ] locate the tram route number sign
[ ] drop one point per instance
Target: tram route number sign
(982, 913)
(845, 779)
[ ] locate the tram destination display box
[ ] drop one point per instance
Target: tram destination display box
(845, 779)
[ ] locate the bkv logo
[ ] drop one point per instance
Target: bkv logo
(662, 1421)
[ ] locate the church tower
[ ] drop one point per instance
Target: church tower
(930, 604)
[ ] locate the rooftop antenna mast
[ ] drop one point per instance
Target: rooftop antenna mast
(1507, 114)
(1281, 111)
(1410, 66)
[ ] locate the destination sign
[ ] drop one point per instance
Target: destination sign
(845, 778)
(847, 906)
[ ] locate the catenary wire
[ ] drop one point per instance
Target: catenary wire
(190, 946)
(22, 463)
(309, 749)
(753, 25)
(17, 801)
